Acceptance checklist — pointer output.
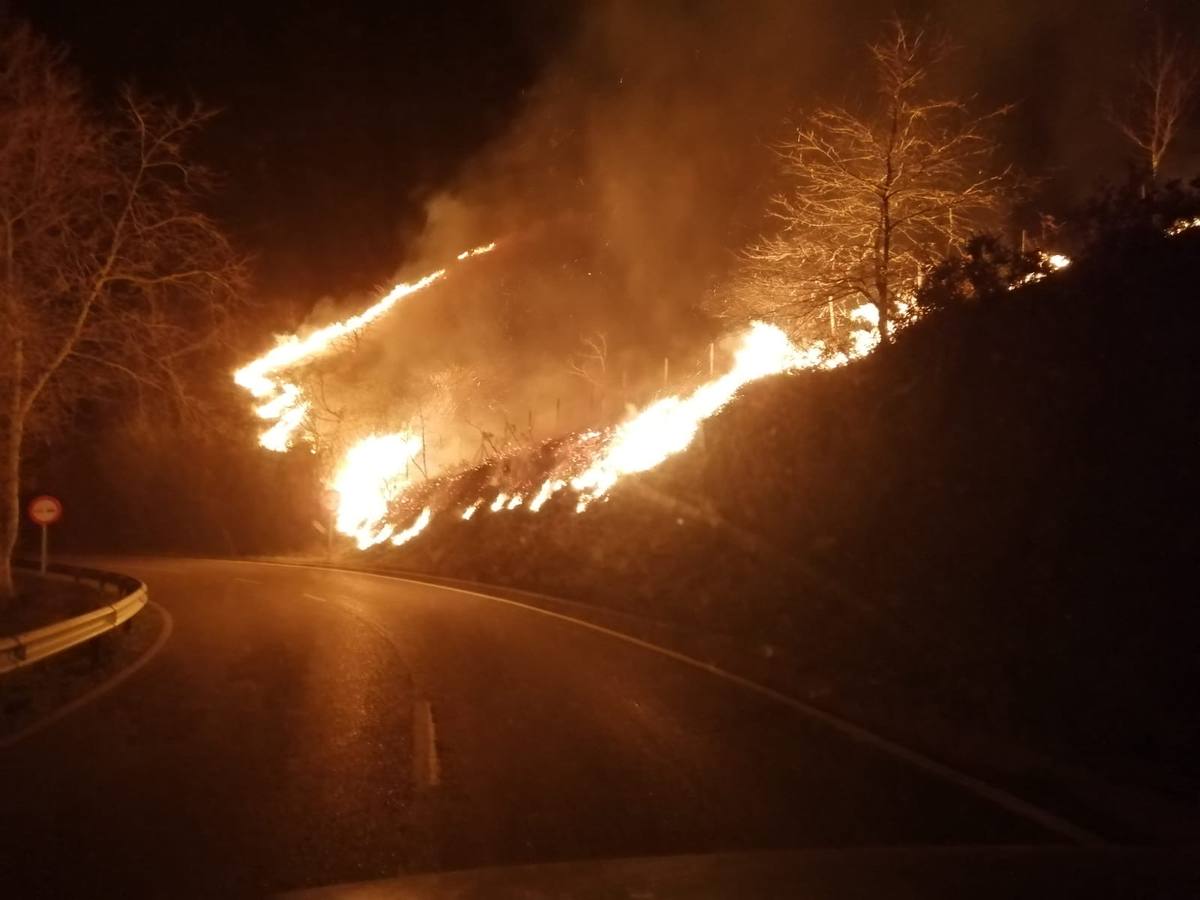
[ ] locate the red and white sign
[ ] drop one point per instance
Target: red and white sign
(330, 499)
(45, 510)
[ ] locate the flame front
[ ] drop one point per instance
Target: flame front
(670, 425)
(285, 404)
(414, 529)
(370, 478)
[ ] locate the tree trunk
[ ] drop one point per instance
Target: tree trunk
(10, 502)
(883, 303)
(885, 325)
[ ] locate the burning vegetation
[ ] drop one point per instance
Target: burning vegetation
(876, 197)
(378, 470)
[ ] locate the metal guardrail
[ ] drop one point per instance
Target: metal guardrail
(130, 596)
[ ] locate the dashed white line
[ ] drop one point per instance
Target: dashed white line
(980, 788)
(427, 769)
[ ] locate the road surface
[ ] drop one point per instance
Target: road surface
(304, 727)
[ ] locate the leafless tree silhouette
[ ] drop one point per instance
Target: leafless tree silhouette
(1163, 89)
(114, 282)
(875, 196)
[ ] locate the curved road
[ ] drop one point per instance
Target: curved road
(305, 727)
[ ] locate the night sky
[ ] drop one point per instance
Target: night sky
(341, 121)
(337, 119)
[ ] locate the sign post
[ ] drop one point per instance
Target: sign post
(44, 511)
(330, 500)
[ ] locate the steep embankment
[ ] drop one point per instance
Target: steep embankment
(987, 528)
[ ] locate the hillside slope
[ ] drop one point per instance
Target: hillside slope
(990, 525)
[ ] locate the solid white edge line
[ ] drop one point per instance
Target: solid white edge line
(970, 783)
(99, 690)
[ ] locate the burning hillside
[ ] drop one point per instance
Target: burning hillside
(383, 481)
(929, 540)
(380, 471)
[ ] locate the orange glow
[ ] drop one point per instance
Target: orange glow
(285, 403)
(414, 529)
(370, 477)
(279, 436)
(669, 426)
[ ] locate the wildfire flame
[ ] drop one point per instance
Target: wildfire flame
(372, 476)
(1054, 262)
(1182, 225)
(670, 425)
(414, 529)
(285, 403)
(467, 254)
(279, 436)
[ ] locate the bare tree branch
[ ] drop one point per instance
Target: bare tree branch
(590, 364)
(875, 196)
(1162, 94)
(113, 278)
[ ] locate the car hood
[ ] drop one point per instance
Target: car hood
(891, 874)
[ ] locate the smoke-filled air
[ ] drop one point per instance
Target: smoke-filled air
(573, 299)
(558, 290)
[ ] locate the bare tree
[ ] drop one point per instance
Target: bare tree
(875, 196)
(1164, 86)
(590, 364)
(114, 283)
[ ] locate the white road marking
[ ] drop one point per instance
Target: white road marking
(1002, 798)
(248, 580)
(427, 768)
(99, 690)
(169, 570)
(315, 597)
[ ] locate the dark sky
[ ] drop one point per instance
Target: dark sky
(338, 118)
(341, 120)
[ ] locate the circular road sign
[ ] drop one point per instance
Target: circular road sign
(45, 510)
(330, 499)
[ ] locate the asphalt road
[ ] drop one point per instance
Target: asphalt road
(304, 727)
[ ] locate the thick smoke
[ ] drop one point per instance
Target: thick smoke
(640, 163)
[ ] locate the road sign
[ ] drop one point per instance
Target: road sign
(330, 499)
(45, 510)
